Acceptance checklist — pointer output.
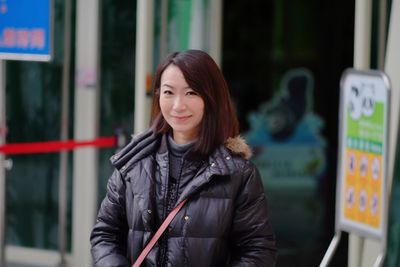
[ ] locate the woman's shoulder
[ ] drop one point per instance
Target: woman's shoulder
(238, 147)
(233, 156)
(140, 146)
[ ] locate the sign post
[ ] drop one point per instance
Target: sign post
(361, 193)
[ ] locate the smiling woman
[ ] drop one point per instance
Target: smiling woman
(192, 152)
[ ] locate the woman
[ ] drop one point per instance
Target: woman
(191, 151)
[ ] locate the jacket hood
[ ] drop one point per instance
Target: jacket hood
(238, 146)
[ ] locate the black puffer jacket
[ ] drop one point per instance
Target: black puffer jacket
(224, 222)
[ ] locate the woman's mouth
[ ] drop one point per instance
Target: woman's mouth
(181, 118)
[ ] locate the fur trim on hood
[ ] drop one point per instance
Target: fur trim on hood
(239, 146)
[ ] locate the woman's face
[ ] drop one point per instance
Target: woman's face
(181, 106)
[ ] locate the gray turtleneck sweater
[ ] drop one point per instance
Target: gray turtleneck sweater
(175, 186)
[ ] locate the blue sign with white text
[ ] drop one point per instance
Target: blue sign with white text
(25, 29)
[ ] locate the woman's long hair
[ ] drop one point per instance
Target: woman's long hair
(203, 76)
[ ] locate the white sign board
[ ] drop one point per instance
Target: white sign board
(362, 166)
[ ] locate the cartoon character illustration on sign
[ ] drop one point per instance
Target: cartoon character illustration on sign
(355, 105)
(361, 101)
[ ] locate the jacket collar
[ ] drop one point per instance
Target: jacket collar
(140, 146)
(146, 143)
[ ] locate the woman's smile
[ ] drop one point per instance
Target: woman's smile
(180, 118)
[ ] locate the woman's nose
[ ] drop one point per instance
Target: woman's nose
(179, 103)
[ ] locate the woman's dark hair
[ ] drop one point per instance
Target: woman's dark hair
(204, 76)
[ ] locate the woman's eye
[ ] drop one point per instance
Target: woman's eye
(167, 92)
(192, 93)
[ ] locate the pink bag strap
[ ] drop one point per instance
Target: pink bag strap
(158, 234)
